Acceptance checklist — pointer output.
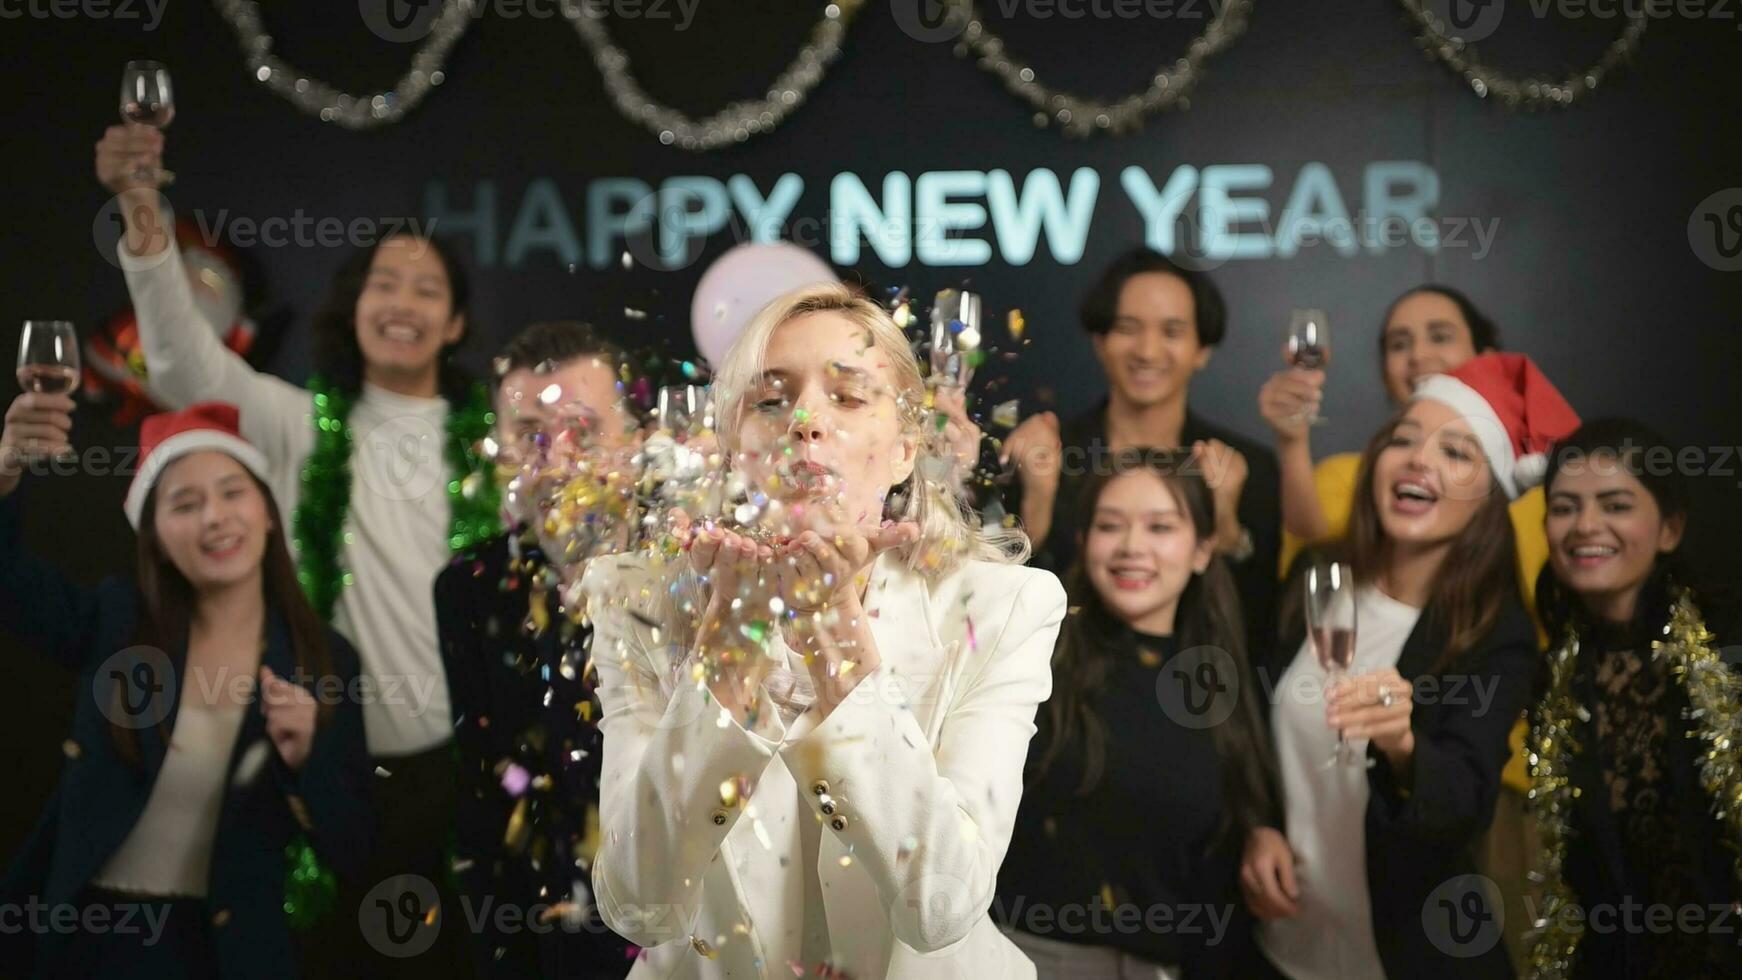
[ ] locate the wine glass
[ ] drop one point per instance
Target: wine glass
(48, 357)
(1330, 617)
(1309, 344)
(147, 99)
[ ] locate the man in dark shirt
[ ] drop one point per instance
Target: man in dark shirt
(1154, 325)
(524, 714)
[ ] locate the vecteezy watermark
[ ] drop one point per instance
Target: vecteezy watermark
(935, 21)
(1198, 687)
(401, 916)
(1691, 462)
(299, 229)
(98, 918)
(1470, 21)
(1466, 20)
(1649, 9)
(1464, 916)
(1715, 230)
(150, 11)
(1475, 691)
(137, 687)
(1633, 917)
(401, 459)
(1097, 918)
(409, 21)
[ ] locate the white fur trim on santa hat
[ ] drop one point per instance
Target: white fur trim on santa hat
(1529, 470)
(179, 445)
(1484, 422)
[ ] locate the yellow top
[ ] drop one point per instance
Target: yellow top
(1335, 478)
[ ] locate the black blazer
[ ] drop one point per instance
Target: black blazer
(499, 676)
(1084, 439)
(101, 795)
(1421, 834)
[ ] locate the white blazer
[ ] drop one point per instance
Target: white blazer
(916, 777)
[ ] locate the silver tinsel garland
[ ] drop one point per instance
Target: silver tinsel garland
(1076, 115)
(1526, 93)
(1081, 116)
(334, 105)
(736, 122)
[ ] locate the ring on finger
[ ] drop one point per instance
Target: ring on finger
(1385, 698)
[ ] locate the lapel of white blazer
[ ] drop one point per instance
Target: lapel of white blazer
(906, 626)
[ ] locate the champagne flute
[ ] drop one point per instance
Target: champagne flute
(147, 99)
(1330, 617)
(955, 333)
(679, 409)
(1309, 344)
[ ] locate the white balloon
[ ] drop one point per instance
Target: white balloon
(741, 282)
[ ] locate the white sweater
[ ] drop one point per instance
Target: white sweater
(396, 531)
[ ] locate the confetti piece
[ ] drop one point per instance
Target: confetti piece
(1005, 414)
(515, 779)
(1016, 323)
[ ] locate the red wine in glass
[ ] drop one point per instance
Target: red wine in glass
(148, 99)
(157, 115)
(47, 379)
(1308, 357)
(1309, 344)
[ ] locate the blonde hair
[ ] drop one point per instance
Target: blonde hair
(950, 533)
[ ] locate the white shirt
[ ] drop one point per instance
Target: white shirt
(397, 528)
(169, 851)
(1332, 937)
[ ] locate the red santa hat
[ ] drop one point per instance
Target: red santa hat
(1514, 411)
(168, 436)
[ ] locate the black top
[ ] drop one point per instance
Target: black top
(1643, 833)
(1085, 450)
(528, 750)
(1139, 863)
(102, 794)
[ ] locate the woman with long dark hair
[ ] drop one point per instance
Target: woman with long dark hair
(1636, 768)
(1151, 762)
(376, 467)
(1429, 329)
(1355, 883)
(199, 757)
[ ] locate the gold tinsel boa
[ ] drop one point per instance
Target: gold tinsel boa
(1715, 704)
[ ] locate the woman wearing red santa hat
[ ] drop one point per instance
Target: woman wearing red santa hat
(198, 757)
(375, 467)
(1371, 874)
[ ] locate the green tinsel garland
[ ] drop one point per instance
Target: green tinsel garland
(1714, 703)
(325, 499)
(319, 530)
